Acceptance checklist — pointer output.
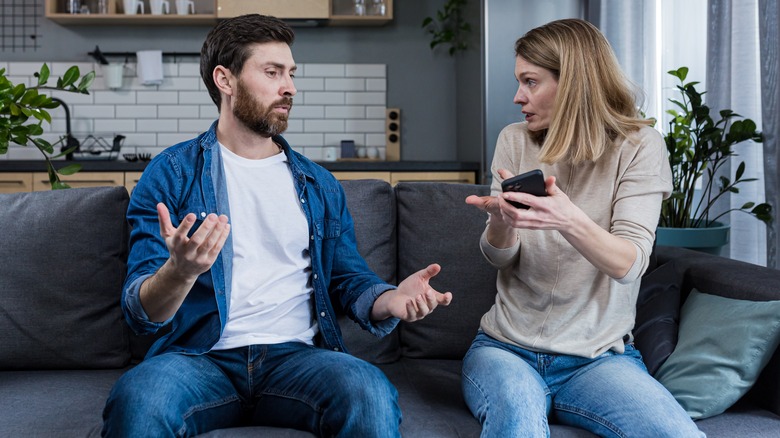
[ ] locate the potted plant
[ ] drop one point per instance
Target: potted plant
(700, 146)
(24, 109)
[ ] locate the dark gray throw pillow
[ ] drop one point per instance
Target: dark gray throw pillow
(658, 315)
(63, 258)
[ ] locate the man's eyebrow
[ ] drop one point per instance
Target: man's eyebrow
(280, 66)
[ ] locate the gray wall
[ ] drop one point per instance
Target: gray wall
(423, 83)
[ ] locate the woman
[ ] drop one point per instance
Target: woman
(557, 343)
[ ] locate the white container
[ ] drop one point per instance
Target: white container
(112, 74)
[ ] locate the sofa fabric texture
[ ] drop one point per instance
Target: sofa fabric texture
(65, 343)
(63, 261)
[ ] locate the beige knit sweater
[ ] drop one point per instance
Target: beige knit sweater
(550, 298)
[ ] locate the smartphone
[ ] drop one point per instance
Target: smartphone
(530, 182)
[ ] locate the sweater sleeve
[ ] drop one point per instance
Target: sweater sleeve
(645, 181)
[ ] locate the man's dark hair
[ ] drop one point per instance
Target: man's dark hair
(227, 44)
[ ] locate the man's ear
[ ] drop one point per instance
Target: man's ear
(224, 80)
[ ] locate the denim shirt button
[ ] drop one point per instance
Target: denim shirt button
(322, 314)
(335, 348)
(303, 201)
(315, 276)
(311, 237)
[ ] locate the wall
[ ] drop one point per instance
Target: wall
(419, 81)
(334, 102)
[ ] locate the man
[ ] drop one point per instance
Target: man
(254, 338)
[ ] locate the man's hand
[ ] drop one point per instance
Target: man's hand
(413, 299)
(192, 256)
(161, 294)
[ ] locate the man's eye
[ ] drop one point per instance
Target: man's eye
(271, 73)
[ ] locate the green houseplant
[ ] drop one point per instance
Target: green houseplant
(23, 110)
(449, 26)
(700, 146)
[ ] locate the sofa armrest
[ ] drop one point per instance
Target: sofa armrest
(732, 279)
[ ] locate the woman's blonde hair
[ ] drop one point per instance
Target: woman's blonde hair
(594, 103)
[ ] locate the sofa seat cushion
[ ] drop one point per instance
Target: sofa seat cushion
(61, 279)
(54, 403)
(742, 422)
(436, 226)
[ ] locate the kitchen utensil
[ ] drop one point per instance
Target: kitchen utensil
(183, 7)
(131, 6)
(98, 55)
(159, 7)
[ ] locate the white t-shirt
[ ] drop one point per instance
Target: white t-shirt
(271, 296)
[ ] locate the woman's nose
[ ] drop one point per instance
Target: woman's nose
(520, 97)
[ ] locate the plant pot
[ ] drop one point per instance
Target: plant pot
(706, 239)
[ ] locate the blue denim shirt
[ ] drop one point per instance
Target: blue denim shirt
(189, 178)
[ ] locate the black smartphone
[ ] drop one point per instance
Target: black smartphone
(530, 182)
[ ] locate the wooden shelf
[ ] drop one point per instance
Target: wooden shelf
(218, 9)
(121, 19)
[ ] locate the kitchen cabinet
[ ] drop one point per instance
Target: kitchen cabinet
(396, 177)
(80, 179)
(14, 182)
(131, 179)
(207, 12)
(290, 9)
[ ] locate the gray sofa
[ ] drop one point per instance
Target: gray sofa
(63, 341)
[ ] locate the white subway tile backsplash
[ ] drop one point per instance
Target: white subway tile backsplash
(376, 112)
(323, 98)
(209, 112)
(335, 139)
(324, 70)
(366, 98)
(345, 112)
(300, 111)
(194, 97)
(316, 125)
(136, 111)
(178, 111)
(367, 126)
(335, 102)
(119, 126)
(186, 84)
(302, 140)
(345, 84)
(157, 97)
(310, 84)
(376, 85)
(189, 69)
(97, 111)
(294, 125)
(118, 98)
(366, 70)
(157, 125)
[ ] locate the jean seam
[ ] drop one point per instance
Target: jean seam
(312, 404)
(591, 416)
(202, 407)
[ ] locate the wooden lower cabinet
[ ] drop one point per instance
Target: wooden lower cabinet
(15, 182)
(80, 179)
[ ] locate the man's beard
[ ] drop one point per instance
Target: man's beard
(259, 118)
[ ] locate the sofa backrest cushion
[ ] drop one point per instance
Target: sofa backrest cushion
(372, 206)
(63, 258)
(435, 225)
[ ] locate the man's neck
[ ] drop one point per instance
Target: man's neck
(244, 142)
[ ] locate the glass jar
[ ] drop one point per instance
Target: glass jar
(378, 7)
(359, 7)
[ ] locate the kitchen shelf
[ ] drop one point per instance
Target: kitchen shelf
(215, 10)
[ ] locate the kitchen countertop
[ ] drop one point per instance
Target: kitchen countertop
(343, 166)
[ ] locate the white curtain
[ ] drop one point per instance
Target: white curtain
(769, 21)
(733, 81)
(718, 41)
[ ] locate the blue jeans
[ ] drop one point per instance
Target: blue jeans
(290, 385)
(513, 392)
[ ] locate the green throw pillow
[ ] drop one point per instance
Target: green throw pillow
(723, 344)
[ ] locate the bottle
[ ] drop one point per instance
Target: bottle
(102, 7)
(378, 7)
(72, 6)
(360, 7)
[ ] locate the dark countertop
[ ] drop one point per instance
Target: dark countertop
(343, 166)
